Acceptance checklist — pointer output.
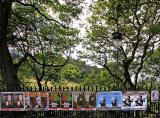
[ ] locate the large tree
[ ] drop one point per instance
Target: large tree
(29, 28)
(138, 21)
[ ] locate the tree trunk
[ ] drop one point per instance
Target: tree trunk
(8, 69)
(39, 84)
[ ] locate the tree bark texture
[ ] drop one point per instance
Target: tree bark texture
(8, 68)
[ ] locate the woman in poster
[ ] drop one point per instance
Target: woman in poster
(20, 103)
(28, 102)
(8, 102)
(39, 102)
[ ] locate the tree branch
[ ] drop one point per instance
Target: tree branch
(23, 59)
(49, 65)
(108, 69)
(36, 8)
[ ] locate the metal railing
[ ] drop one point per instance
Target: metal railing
(153, 108)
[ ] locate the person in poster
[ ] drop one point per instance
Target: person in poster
(78, 100)
(19, 101)
(37, 101)
(54, 100)
(101, 100)
(127, 101)
(66, 100)
(84, 100)
(28, 104)
(110, 100)
(7, 101)
(134, 100)
(12, 101)
(154, 96)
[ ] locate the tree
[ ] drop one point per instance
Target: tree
(27, 28)
(151, 70)
(138, 21)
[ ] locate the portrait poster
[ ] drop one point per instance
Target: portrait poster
(84, 100)
(66, 101)
(60, 100)
(109, 100)
(54, 101)
(0, 100)
(37, 101)
(12, 101)
(134, 100)
(154, 96)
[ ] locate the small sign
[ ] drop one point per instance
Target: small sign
(154, 96)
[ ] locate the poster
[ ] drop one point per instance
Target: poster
(134, 100)
(0, 101)
(84, 100)
(37, 101)
(60, 101)
(109, 100)
(12, 101)
(66, 101)
(154, 96)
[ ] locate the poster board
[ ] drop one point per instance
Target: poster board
(37, 101)
(84, 100)
(60, 100)
(134, 100)
(154, 96)
(12, 101)
(109, 100)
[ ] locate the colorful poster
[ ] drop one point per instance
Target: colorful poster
(109, 100)
(0, 101)
(154, 96)
(54, 100)
(60, 101)
(66, 101)
(37, 101)
(84, 100)
(12, 101)
(134, 100)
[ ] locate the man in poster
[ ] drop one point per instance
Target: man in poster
(134, 100)
(84, 100)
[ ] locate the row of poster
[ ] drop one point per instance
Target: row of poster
(42, 101)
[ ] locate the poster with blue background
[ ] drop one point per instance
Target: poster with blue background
(109, 100)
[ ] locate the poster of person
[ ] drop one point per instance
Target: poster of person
(0, 101)
(37, 101)
(12, 101)
(109, 100)
(54, 100)
(134, 100)
(154, 96)
(66, 101)
(84, 100)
